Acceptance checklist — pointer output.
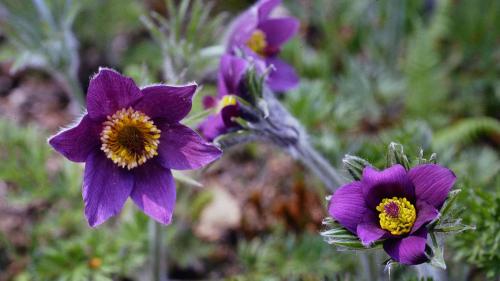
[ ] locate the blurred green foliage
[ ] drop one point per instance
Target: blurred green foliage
(290, 257)
(186, 35)
(40, 36)
(422, 73)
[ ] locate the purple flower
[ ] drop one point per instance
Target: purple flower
(262, 37)
(231, 72)
(129, 140)
(394, 205)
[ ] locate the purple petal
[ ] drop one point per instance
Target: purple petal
(369, 230)
(78, 142)
(283, 77)
(106, 187)
(278, 31)
(212, 127)
(432, 183)
(425, 213)
(231, 71)
(222, 89)
(181, 148)
(170, 103)
(154, 192)
(391, 182)
(108, 92)
(409, 250)
(265, 8)
(241, 29)
(348, 206)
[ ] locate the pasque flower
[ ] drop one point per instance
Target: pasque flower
(130, 139)
(229, 84)
(394, 205)
(259, 36)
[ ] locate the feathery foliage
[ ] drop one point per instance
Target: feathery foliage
(185, 36)
(40, 32)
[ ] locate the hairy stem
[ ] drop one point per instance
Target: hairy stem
(157, 252)
(310, 157)
(275, 124)
(284, 130)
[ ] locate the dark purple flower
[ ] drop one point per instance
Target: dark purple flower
(130, 139)
(231, 72)
(394, 205)
(262, 37)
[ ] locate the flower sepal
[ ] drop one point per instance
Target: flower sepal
(434, 251)
(254, 83)
(235, 138)
(355, 165)
(396, 155)
(182, 177)
(335, 234)
(449, 221)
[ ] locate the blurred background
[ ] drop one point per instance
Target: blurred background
(424, 73)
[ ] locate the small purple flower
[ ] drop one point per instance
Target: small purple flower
(262, 37)
(130, 139)
(231, 72)
(394, 205)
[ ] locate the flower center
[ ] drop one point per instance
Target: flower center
(226, 101)
(397, 215)
(257, 42)
(129, 138)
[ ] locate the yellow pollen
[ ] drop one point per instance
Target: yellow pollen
(129, 138)
(257, 42)
(397, 215)
(226, 101)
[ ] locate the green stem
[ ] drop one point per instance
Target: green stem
(282, 128)
(318, 165)
(157, 251)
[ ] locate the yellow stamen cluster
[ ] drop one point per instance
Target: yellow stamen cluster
(257, 42)
(226, 101)
(129, 138)
(397, 215)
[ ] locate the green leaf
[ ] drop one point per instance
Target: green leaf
(337, 235)
(434, 252)
(355, 165)
(453, 227)
(196, 118)
(234, 138)
(433, 158)
(181, 177)
(396, 155)
(421, 160)
(449, 203)
(467, 131)
(254, 84)
(446, 222)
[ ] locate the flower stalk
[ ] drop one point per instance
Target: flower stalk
(310, 157)
(269, 121)
(287, 132)
(157, 252)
